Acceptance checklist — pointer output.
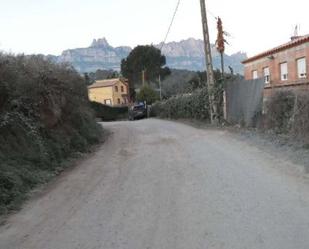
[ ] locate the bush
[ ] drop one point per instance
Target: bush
(188, 106)
(147, 94)
(301, 116)
(280, 110)
(288, 112)
(108, 113)
(45, 117)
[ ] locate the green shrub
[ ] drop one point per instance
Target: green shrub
(147, 94)
(301, 116)
(280, 110)
(45, 117)
(288, 112)
(188, 106)
(108, 113)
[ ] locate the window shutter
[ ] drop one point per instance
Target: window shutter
(266, 74)
(284, 71)
(301, 68)
(254, 74)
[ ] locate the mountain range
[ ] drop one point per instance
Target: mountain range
(186, 54)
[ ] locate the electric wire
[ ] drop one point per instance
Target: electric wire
(171, 24)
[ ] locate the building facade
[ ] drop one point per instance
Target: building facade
(283, 67)
(113, 92)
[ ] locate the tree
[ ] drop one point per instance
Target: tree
(144, 58)
(103, 74)
(88, 80)
(147, 94)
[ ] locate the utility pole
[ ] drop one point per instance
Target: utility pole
(160, 87)
(209, 67)
(143, 77)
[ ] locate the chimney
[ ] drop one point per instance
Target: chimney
(296, 31)
(293, 38)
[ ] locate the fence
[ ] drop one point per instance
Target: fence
(244, 101)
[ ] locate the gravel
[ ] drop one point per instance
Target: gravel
(163, 185)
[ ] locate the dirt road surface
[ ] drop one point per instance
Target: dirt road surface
(163, 185)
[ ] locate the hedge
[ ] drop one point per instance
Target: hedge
(109, 113)
(288, 112)
(187, 106)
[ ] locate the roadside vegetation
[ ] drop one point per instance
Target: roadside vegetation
(45, 119)
(147, 94)
(287, 112)
(190, 99)
(144, 63)
(100, 74)
(109, 113)
(193, 105)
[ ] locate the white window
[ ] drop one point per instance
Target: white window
(107, 102)
(254, 74)
(284, 71)
(301, 68)
(266, 75)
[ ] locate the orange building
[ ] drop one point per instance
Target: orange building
(283, 67)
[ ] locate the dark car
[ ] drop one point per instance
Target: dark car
(137, 112)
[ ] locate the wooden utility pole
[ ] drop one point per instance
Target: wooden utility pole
(143, 77)
(209, 67)
(160, 87)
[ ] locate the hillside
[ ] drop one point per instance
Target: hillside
(186, 54)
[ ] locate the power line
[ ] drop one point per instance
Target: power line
(171, 24)
(172, 21)
(212, 14)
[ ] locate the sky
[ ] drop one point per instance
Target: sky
(51, 26)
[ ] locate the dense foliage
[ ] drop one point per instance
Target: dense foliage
(101, 74)
(45, 118)
(147, 94)
(185, 81)
(186, 95)
(178, 82)
(288, 112)
(144, 58)
(109, 113)
(193, 105)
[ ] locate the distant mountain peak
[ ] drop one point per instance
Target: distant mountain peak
(100, 43)
(185, 54)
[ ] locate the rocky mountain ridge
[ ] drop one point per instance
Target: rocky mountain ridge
(186, 54)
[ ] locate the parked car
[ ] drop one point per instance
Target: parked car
(137, 111)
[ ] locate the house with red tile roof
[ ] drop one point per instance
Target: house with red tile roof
(282, 67)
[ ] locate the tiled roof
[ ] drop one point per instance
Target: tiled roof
(105, 83)
(293, 43)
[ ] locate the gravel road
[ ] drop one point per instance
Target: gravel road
(164, 185)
